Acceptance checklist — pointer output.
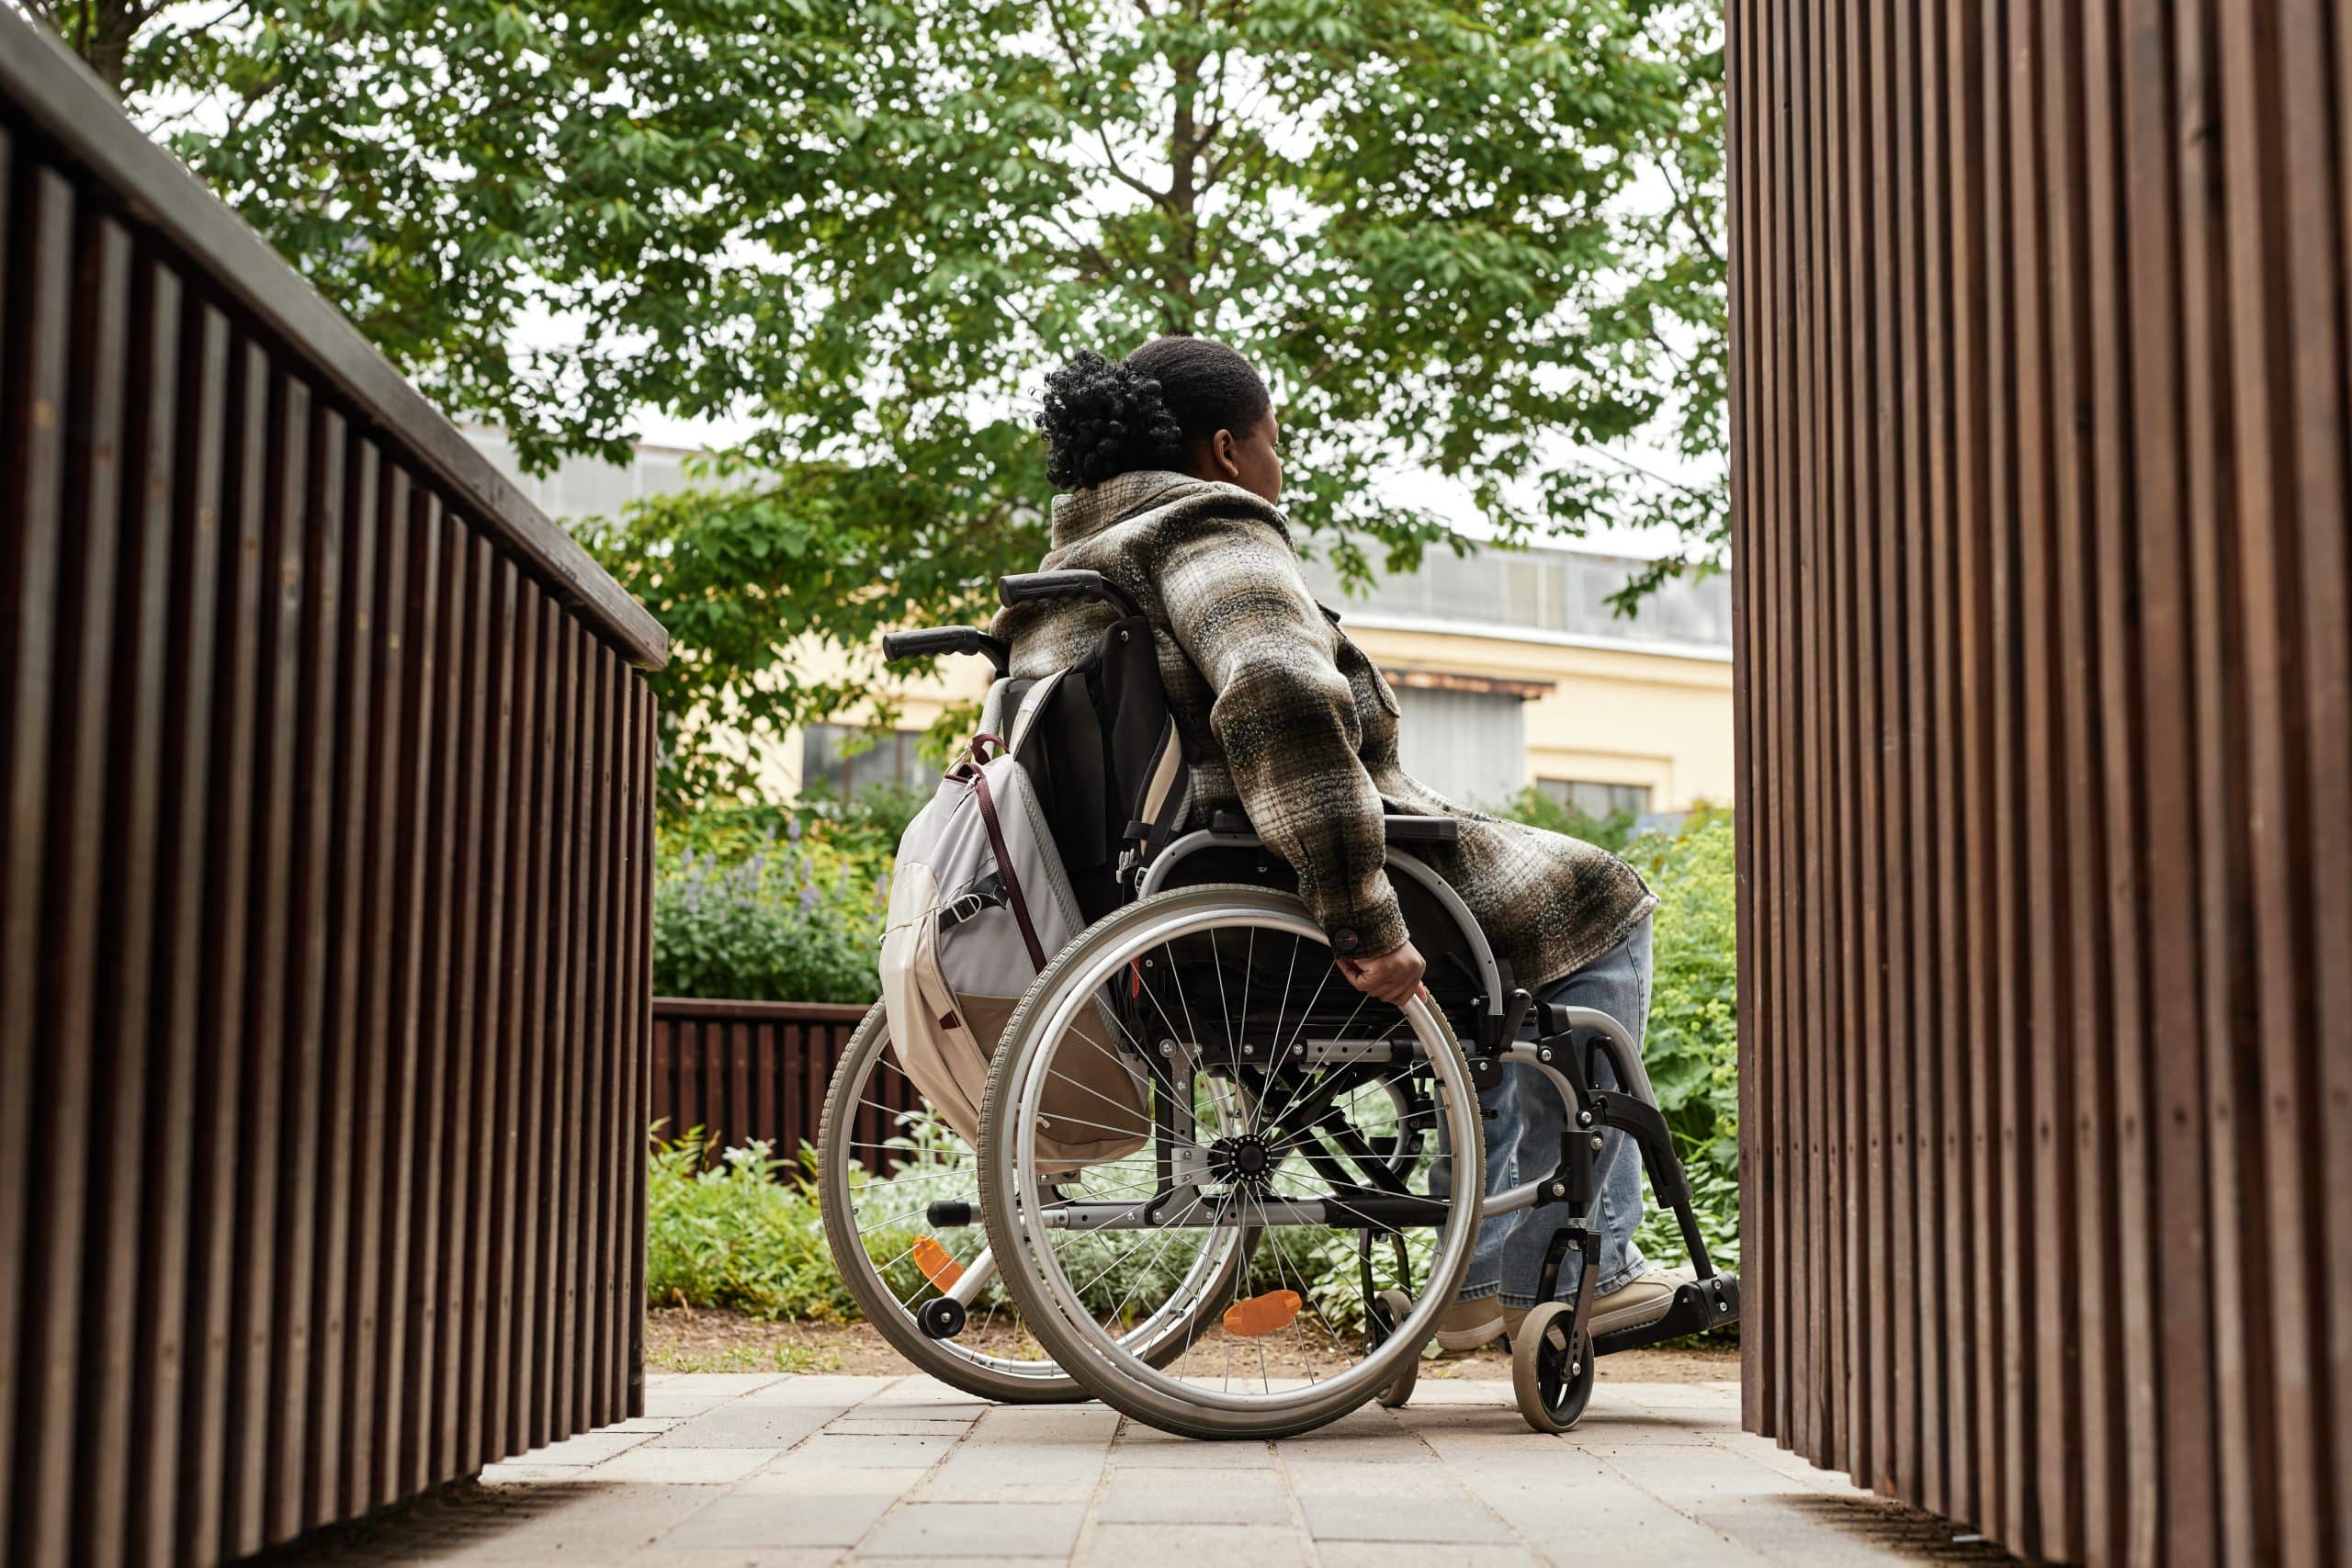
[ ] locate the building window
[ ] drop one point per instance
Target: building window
(1598, 800)
(844, 762)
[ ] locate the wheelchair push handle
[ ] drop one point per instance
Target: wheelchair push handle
(897, 646)
(1032, 587)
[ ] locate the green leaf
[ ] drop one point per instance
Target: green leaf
(1482, 238)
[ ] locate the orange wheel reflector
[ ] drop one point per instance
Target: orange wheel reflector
(938, 1265)
(1261, 1315)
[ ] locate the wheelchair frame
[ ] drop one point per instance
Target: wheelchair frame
(1565, 1042)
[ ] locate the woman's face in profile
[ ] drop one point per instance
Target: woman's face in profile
(1252, 461)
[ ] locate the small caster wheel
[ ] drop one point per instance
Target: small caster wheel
(1390, 1308)
(1552, 1378)
(942, 1318)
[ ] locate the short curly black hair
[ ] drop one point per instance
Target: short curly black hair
(1102, 419)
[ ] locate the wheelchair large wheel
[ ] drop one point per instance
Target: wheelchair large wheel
(892, 1179)
(1349, 1127)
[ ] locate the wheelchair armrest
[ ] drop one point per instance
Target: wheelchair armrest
(1401, 830)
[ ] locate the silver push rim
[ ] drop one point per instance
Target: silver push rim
(1076, 989)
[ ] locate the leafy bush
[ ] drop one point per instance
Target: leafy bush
(747, 1235)
(794, 917)
(1692, 1048)
(760, 902)
(865, 830)
(797, 920)
(1535, 808)
(736, 1236)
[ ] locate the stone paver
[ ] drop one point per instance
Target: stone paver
(761, 1472)
(953, 1531)
(1192, 1496)
(686, 1467)
(742, 1424)
(1206, 1546)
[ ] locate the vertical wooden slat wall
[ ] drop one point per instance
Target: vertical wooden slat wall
(747, 1071)
(324, 886)
(2042, 364)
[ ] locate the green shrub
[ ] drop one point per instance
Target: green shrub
(864, 831)
(759, 902)
(1535, 808)
(866, 828)
(745, 1234)
(1692, 1048)
(793, 915)
(797, 921)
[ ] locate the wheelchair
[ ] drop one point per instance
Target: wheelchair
(1278, 1247)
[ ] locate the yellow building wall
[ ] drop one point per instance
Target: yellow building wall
(1614, 715)
(919, 700)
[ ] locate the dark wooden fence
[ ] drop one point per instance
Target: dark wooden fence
(746, 1070)
(2042, 358)
(323, 897)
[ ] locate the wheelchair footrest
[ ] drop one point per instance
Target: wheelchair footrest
(1711, 1302)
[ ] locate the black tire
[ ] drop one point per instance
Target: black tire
(1397, 1304)
(939, 1358)
(1552, 1378)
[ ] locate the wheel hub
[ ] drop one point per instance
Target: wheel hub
(1243, 1160)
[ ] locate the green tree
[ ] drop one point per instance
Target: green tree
(1473, 236)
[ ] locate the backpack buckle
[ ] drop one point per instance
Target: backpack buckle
(963, 906)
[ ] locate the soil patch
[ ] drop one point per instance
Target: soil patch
(690, 1339)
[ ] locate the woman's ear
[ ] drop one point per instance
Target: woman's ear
(1225, 455)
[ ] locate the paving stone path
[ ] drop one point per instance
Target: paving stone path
(750, 1471)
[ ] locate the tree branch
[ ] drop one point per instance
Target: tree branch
(1159, 197)
(1070, 52)
(1700, 492)
(1681, 208)
(1087, 250)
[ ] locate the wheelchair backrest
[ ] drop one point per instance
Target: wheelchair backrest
(1107, 757)
(1103, 752)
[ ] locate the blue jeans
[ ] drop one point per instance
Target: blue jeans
(1523, 1141)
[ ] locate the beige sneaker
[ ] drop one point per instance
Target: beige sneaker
(1468, 1325)
(1512, 1317)
(1642, 1300)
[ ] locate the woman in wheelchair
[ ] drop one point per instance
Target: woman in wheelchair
(1285, 1107)
(1173, 464)
(1174, 480)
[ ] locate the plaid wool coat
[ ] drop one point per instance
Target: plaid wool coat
(1297, 726)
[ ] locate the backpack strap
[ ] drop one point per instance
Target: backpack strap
(1004, 859)
(1160, 802)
